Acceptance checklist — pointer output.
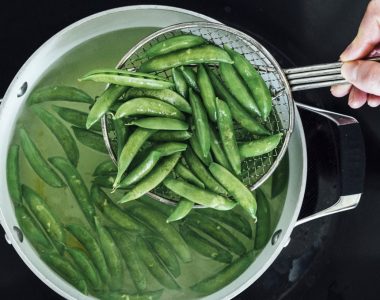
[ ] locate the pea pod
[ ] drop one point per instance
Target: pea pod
(260, 146)
(202, 173)
(198, 195)
(111, 211)
(200, 122)
(237, 88)
(61, 133)
(254, 82)
(216, 231)
(173, 44)
(190, 77)
(159, 123)
(85, 266)
(196, 55)
(13, 174)
(239, 114)
(157, 222)
(32, 230)
(64, 268)
(234, 220)
(104, 168)
(207, 92)
(227, 135)
(132, 260)
(171, 136)
(127, 78)
(182, 209)
(135, 141)
(103, 103)
(236, 188)
(263, 226)
(59, 93)
(154, 295)
(161, 207)
(90, 139)
(121, 134)
(225, 276)
(204, 246)
(166, 254)
(186, 174)
(153, 179)
(105, 181)
(112, 255)
(77, 186)
(92, 247)
(195, 145)
(218, 151)
(165, 95)
(75, 117)
(37, 162)
(280, 177)
(180, 83)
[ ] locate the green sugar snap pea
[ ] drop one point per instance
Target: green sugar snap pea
(166, 95)
(173, 44)
(217, 150)
(61, 133)
(207, 92)
(103, 103)
(236, 188)
(194, 142)
(127, 78)
(59, 93)
(237, 88)
(154, 266)
(182, 209)
(133, 145)
(37, 162)
(153, 179)
(132, 260)
(180, 83)
(227, 135)
(13, 174)
(105, 181)
(77, 186)
(92, 247)
(171, 136)
(104, 168)
(159, 123)
(148, 107)
(239, 114)
(225, 276)
(75, 117)
(260, 146)
(263, 227)
(201, 123)
(254, 82)
(157, 222)
(161, 207)
(198, 195)
(190, 77)
(204, 246)
(186, 174)
(90, 139)
(216, 231)
(196, 55)
(280, 177)
(202, 173)
(121, 132)
(64, 268)
(111, 211)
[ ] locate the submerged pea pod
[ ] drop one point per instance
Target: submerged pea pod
(159, 206)
(119, 295)
(180, 83)
(190, 77)
(127, 78)
(77, 186)
(103, 103)
(59, 93)
(217, 150)
(207, 92)
(159, 123)
(280, 177)
(166, 95)
(227, 135)
(186, 174)
(75, 117)
(260, 146)
(37, 162)
(182, 209)
(236, 188)
(61, 133)
(263, 226)
(196, 55)
(171, 136)
(104, 168)
(153, 179)
(13, 174)
(105, 181)
(90, 139)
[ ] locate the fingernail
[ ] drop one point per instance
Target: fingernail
(373, 103)
(350, 71)
(345, 52)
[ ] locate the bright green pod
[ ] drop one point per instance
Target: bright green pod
(121, 134)
(171, 136)
(158, 123)
(217, 150)
(207, 92)
(190, 77)
(186, 174)
(195, 145)
(13, 174)
(180, 83)
(260, 146)
(59, 93)
(182, 209)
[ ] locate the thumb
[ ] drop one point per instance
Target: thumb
(365, 75)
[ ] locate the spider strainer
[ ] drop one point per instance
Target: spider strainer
(254, 170)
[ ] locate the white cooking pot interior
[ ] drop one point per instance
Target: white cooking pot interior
(47, 55)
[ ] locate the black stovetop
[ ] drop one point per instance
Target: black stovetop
(334, 258)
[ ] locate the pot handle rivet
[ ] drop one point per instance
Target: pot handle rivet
(19, 234)
(22, 89)
(7, 239)
(276, 236)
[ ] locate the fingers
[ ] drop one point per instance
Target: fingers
(365, 75)
(373, 100)
(368, 35)
(357, 98)
(340, 90)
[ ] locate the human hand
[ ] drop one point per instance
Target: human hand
(364, 76)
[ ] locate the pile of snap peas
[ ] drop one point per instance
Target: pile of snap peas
(179, 135)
